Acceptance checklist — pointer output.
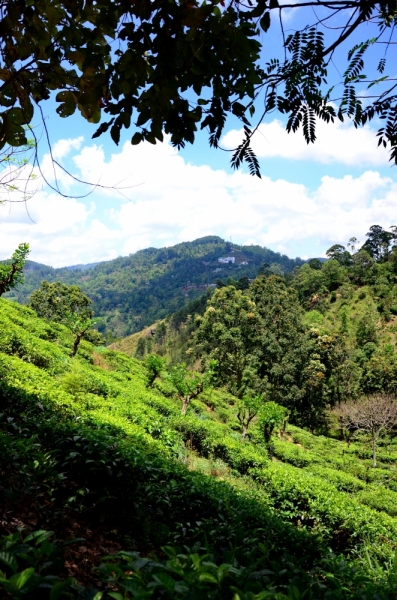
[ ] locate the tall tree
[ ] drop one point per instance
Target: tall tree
(281, 351)
(229, 332)
(52, 301)
(379, 242)
(308, 282)
(339, 253)
(11, 271)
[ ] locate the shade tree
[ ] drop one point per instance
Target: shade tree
(79, 326)
(248, 407)
(339, 253)
(272, 417)
(379, 242)
(280, 347)
(229, 333)
(11, 271)
(154, 366)
(177, 67)
(187, 384)
(68, 305)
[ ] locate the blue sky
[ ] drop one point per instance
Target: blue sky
(309, 197)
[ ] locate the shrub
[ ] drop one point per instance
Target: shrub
(318, 504)
(379, 498)
(292, 454)
(344, 482)
(80, 381)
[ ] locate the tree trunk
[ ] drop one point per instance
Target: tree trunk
(8, 280)
(244, 433)
(185, 404)
(374, 450)
(283, 428)
(76, 344)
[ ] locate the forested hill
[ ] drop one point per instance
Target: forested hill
(133, 291)
(345, 312)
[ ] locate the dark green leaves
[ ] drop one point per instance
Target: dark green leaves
(265, 21)
(11, 271)
(165, 49)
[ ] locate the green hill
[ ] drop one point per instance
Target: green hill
(360, 309)
(186, 510)
(132, 292)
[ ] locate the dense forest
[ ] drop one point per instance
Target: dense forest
(322, 333)
(131, 292)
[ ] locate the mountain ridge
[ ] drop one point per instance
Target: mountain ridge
(131, 292)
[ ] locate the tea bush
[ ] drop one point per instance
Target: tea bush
(379, 498)
(341, 480)
(292, 454)
(86, 439)
(319, 505)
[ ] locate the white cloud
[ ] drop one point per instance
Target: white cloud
(60, 151)
(336, 143)
(178, 201)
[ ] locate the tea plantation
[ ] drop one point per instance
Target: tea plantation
(107, 491)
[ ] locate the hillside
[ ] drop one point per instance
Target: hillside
(88, 451)
(132, 292)
(343, 343)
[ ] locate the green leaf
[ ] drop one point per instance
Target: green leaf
(208, 577)
(9, 559)
(115, 133)
(136, 138)
(265, 21)
(19, 579)
(166, 580)
(115, 595)
(57, 591)
(39, 536)
(377, 81)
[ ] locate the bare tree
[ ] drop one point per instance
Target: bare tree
(17, 173)
(371, 414)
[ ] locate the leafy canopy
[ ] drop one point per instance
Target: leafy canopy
(229, 333)
(11, 272)
(145, 62)
(188, 385)
(68, 305)
(56, 301)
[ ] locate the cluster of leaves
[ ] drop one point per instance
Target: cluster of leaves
(11, 272)
(65, 304)
(261, 346)
(165, 50)
(32, 565)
